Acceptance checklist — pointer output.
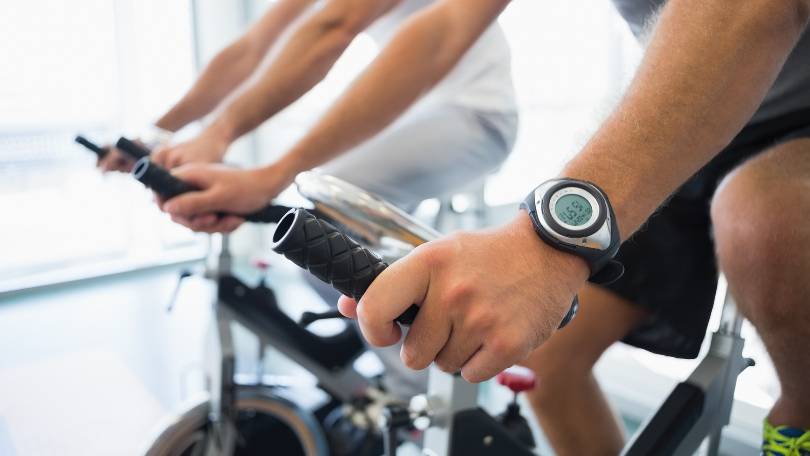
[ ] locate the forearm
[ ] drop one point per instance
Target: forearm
(305, 60)
(232, 66)
(706, 70)
(422, 52)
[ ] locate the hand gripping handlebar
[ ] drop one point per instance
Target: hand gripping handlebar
(168, 186)
(335, 258)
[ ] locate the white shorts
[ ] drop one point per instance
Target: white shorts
(431, 151)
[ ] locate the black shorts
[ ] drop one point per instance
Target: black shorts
(670, 264)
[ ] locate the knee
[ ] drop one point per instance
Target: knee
(757, 233)
(745, 217)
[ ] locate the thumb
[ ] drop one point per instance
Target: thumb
(347, 306)
(196, 174)
(160, 155)
(192, 204)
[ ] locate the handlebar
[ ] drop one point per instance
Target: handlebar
(331, 256)
(91, 146)
(164, 183)
(131, 148)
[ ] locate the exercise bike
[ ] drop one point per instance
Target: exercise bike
(448, 414)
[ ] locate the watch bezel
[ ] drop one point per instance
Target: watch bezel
(551, 220)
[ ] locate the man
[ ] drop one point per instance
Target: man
(454, 136)
(714, 78)
(426, 139)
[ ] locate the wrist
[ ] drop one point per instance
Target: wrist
(574, 269)
(270, 180)
(222, 131)
(290, 165)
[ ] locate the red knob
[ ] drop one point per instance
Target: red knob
(517, 379)
(261, 264)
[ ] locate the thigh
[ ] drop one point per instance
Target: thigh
(427, 153)
(784, 165)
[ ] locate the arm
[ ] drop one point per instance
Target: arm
(707, 69)
(492, 297)
(429, 45)
(304, 61)
(232, 66)
(226, 71)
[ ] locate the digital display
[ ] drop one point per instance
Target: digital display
(573, 210)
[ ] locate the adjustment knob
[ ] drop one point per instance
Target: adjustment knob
(517, 379)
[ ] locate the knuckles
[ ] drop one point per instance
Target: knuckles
(411, 359)
(447, 367)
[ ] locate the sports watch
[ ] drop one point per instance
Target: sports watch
(576, 217)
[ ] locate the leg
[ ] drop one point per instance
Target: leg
(570, 406)
(762, 236)
(430, 152)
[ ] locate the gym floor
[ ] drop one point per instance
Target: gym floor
(92, 368)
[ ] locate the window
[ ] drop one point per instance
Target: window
(94, 66)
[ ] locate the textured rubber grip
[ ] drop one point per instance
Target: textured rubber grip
(131, 148)
(162, 182)
(91, 146)
(331, 256)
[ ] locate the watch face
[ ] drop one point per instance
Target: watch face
(573, 209)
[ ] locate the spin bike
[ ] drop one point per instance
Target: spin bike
(448, 414)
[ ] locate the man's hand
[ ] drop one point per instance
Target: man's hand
(208, 147)
(223, 190)
(487, 299)
(114, 160)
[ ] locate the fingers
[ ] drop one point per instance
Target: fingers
(403, 283)
(195, 203)
(174, 159)
(114, 161)
(459, 349)
(347, 306)
(160, 156)
(489, 360)
(429, 332)
(168, 157)
(198, 175)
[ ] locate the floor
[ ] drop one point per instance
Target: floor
(89, 369)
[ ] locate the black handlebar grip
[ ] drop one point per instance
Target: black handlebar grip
(131, 148)
(317, 246)
(93, 147)
(159, 180)
(167, 186)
